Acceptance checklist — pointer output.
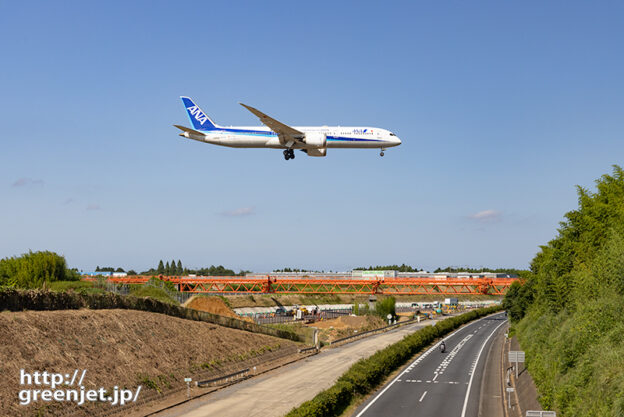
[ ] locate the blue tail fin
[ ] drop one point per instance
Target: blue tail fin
(198, 118)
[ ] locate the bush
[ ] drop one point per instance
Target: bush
(34, 269)
(385, 307)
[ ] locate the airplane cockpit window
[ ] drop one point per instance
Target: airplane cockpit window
(392, 134)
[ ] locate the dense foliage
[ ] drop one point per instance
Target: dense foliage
(568, 314)
(34, 270)
(384, 307)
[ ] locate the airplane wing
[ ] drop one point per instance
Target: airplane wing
(287, 134)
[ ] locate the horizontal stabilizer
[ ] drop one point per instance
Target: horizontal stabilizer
(191, 133)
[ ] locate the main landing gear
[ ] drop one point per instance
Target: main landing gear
(381, 153)
(289, 154)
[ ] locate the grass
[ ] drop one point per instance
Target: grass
(305, 333)
(152, 292)
(577, 358)
(84, 287)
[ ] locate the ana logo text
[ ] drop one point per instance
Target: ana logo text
(198, 114)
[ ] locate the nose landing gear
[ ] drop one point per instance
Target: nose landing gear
(289, 154)
(381, 153)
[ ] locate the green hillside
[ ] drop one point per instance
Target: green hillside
(569, 314)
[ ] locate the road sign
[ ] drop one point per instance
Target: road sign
(516, 356)
(541, 414)
(187, 379)
(509, 391)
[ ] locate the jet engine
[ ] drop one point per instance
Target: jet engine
(316, 152)
(315, 140)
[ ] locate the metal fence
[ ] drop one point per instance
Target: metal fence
(272, 318)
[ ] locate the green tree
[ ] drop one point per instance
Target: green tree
(385, 306)
(179, 269)
(33, 269)
(161, 268)
(172, 267)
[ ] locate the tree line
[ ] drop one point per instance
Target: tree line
(176, 268)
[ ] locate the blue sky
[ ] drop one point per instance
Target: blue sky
(502, 108)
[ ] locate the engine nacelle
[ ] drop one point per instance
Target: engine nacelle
(316, 152)
(315, 140)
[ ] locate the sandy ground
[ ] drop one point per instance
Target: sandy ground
(214, 305)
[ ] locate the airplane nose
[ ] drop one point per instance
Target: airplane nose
(396, 141)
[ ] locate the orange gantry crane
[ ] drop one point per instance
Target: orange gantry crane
(331, 285)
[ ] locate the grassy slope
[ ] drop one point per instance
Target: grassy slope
(577, 359)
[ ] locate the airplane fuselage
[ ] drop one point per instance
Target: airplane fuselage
(336, 137)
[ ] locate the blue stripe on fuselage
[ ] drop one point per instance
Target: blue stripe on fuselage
(273, 134)
(347, 139)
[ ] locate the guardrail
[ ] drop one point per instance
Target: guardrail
(308, 349)
(234, 375)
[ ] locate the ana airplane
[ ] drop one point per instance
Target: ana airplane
(314, 141)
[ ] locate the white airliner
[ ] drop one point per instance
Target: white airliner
(312, 140)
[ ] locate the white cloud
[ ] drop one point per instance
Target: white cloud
(484, 216)
(239, 212)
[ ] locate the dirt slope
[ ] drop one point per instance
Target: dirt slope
(116, 347)
(214, 305)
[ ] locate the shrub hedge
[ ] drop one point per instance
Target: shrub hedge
(367, 374)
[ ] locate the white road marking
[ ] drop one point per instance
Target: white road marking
(434, 378)
(463, 414)
(423, 396)
(431, 349)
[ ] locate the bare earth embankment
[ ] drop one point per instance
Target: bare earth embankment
(124, 348)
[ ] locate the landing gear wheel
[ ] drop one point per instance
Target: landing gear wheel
(292, 154)
(381, 153)
(286, 155)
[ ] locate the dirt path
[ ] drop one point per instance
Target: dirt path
(277, 392)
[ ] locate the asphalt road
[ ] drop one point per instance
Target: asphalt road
(440, 384)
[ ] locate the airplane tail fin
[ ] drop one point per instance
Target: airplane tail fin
(198, 118)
